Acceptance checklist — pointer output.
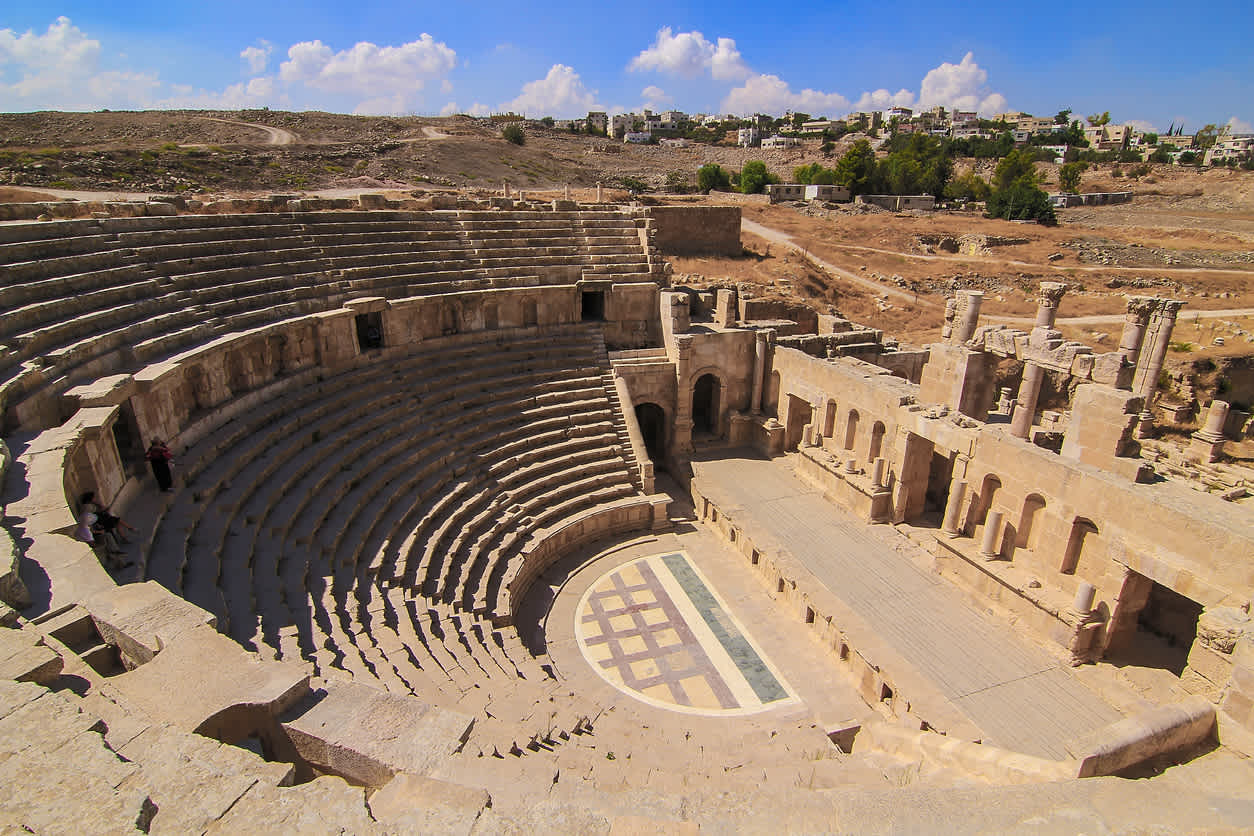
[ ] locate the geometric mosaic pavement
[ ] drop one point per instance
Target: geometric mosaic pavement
(654, 629)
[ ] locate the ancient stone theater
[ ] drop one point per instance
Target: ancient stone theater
(480, 523)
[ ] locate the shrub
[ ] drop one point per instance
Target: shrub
(678, 182)
(1021, 201)
(513, 132)
(711, 177)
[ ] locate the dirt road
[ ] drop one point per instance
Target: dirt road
(275, 136)
(784, 239)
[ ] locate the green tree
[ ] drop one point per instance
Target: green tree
(754, 177)
(969, 186)
(1151, 139)
(1019, 165)
(547, 121)
(711, 177)
(1021, 201)
(513, 132)
(1069, 176)
(1205, 138)
(916, 164)
(1098, 120)
(856, 169)
(1160, 155)
(1062, 117)
(799, 119)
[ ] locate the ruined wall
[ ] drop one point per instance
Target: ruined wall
(692, 230)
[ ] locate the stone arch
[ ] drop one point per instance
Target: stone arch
(1028, 532)
(652, 420)
(829, 418)
(982, 503)
(851, 429)
(1082, 529)
(706, 403)
(877, 441)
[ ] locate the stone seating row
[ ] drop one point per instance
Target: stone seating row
(253, 485)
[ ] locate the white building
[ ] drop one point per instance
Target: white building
(638, 137)
(778, 141)
(748, 137)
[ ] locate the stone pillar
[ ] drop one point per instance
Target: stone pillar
(1151, 366)
(725, 309)
(1025, 404)
(1084, 594)
(504, 188)
(566, 192)
(522, 195)
(880, 472)
(990, 545)
(1047, 300)
(967, 314)
(683, 397)
(759, 372)
(953, 507)
(1208, 442)
(1134, 324)
(600, 193)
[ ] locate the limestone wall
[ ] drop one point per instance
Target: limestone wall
(691, 230)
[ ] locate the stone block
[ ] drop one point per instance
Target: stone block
(416, 804)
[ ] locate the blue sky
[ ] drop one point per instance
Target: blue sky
(1150, 62)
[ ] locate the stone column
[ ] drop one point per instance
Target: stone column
(725, 308)
(967, 314)
(683, 398)
(1025, 404)
(600, 193)
(1084, 594)
(1134, 324)
(880, 472)
(1208, 442)
(990, 544)
(759, 372)
(566, 192)
(1047, 300)
(504, 188)
(1152, 366)
(953, 506)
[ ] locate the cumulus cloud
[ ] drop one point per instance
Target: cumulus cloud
(655, 98)
(689, 54)
(1239, 126)
(476, 109)
(771, 94)
(256, 57)
(262, 91)
(560, 93)
(883, 99)
(1142, 126)
(368, 68)
(960, 86)
(63, 68)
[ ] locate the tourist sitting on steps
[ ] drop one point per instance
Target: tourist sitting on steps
(107, 522)
(90, 532)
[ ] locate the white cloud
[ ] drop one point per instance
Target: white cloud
(883, 99)
(257, 56)
(655, 98)
(1239, 126)
(262, 91)
(379, 72)
(689, 54)
(960, 86)
(560, 93)
(1142, 126)
(476, 109)
(62, 69)
(771, 94)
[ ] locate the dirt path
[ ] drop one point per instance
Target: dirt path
(276, 136)
(1106, 319)
(778, 237)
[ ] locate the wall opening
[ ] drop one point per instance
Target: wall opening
(705, 397)
(851, 429)
(800, 413)
(877, 441)
(1029, 532)
(369, 330)
(1081, 531)
(592, 307)
(126, 437)
(829, 419)
(531, 315)
(938, 475)
(983, 503)
(652, 421)
(809, 615)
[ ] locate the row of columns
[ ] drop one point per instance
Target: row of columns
(1043, 336)
(506, 192)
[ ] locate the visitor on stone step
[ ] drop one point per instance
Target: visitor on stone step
(159, 457)
(90, 532)
(109, 523)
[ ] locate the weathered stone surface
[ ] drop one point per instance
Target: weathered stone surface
(13, 591)
(140, 618)
(324, 805)
(419, 805)
(24, 657)
(369, 735)
(1220, 628)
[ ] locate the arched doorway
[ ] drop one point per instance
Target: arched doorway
(652, 421)
(1030, 522)
(877, 441)
(705, 396)
(851, 429)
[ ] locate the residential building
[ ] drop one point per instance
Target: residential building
(778, 141)
(598, 121)
(749, 137)
(638, 137)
